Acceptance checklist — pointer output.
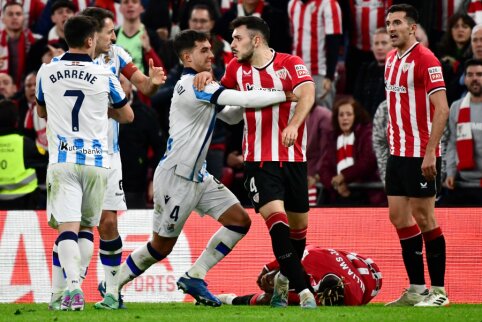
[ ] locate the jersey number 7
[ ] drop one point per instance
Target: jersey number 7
(77, 105)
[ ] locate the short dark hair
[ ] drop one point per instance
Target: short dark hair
(252, 23)
(99, 14)
(472, 62)
(11, 3)
(78, 28)
(62, 4)
(8, 114)
(186, 40)
(411, 14)
(203, 6)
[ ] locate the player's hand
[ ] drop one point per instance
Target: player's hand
(156, 74)
(429, 170)
(202, 79)
(291, 97)
(260, 276)
(450, 183)
(289, 135)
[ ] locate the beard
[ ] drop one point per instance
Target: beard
(246, 58)
(476, 90)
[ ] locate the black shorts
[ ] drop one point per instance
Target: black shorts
(268, 181)
(404, 178)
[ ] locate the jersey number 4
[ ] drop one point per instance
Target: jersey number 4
(77, 105)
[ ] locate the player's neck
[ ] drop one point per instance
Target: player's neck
(409, 44)
(82, 51)
(261, 57)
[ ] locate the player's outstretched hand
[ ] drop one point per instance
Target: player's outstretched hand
(156, 74)
(289, 135)
(202, 79)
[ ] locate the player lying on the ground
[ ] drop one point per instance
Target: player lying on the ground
(337, 278)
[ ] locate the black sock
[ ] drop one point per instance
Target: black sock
(299, 246)
(413, 259)
(436, 257)
(290, 265)
(243, 300)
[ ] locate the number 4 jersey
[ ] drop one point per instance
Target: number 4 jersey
(77, 93)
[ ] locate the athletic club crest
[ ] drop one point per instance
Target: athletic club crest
(282, 73)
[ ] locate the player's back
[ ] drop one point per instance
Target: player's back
(191, 124)
(76, 94)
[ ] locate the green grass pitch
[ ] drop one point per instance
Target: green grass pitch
(186, 312)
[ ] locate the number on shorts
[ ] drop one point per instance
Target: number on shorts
(3, 164)
(77, 105)
(175, 213)
(252, 186)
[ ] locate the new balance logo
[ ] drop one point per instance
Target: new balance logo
(423, 185)
(166, 199)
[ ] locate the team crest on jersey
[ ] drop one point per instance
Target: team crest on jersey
(435, 74)
(302, 71)
(107, 59)
(282, 73)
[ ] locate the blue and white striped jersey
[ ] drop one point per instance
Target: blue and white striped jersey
(116, 59)
(77, 93)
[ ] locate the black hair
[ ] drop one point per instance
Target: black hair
(253, 23)
(99, 14)
(186, 40)
(411, 14)
(77, 29)
(472, 62)
(203, 6)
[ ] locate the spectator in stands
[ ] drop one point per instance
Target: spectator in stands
(135, 140)
(441, 17)
(379, 138)
(370, 84)
(350, 157)
(453, 50)
(15, 42)
(18, 181)
(474, 9)
(277, 20)
(362, 20)
(319, 129)
(464, 147)
(32, 10)
(61, 11)
(7, 86)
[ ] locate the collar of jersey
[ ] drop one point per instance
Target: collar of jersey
(76, 57)
(188, 71)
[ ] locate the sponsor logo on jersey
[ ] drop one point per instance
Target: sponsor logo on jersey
(250, 87)
(396, 88)
(423, 185)
(247, 73)
(435, 74)
(302, 71)
(64, 146)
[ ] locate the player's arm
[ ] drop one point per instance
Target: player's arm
(122, 114)
(231, 114)
(439, 100)
(147, 85)
(121, 110)
(306, 98)
(39, 97)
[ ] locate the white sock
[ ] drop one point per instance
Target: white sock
(305, 294)
(110, 253)
(86, 247)
(217, 248)
(69, 256)
(419, 289)
(59, 284)
(137, 263)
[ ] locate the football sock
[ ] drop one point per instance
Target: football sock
(412, 253)
(110, 253)
(298, 239)
(86, 247)
(436, 256)
(69, 256)
(290, 265)
(219, 246)
(137, 263)
(243, 300)
(59, 284)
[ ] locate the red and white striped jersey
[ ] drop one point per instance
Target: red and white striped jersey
(409, 81)
(475, 10)
(311, 21)
(263, 127)
(366, 17)
(444, 10)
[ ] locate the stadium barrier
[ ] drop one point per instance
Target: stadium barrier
(26, 246)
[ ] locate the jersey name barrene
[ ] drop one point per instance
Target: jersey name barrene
(73, 73)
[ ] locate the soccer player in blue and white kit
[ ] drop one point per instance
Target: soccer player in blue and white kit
(118, 61)
(75, 93)
(181, 182)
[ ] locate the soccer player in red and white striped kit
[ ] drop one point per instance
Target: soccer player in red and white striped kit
(418, 111)
(274, 148)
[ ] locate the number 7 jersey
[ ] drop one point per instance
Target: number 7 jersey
(77, 93)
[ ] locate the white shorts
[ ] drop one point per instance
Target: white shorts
(176, 197)
(75, 193)
(114, 198)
